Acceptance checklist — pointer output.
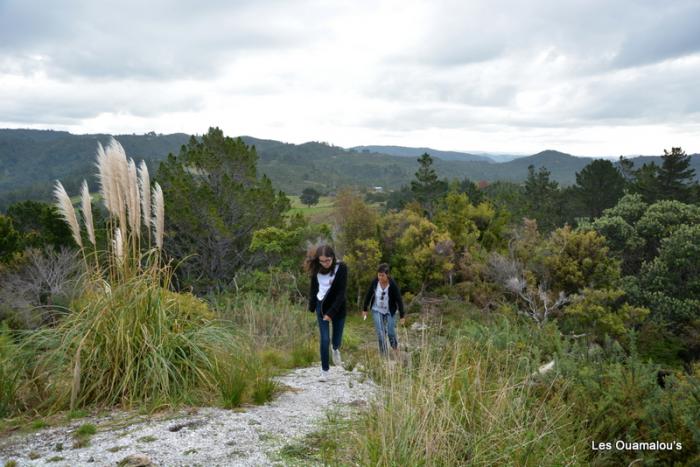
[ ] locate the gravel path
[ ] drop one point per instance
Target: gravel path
(204, 436)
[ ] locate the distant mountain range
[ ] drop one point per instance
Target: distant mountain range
(30, 160)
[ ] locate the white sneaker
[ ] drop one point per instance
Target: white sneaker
(323, 377)
(336, 357)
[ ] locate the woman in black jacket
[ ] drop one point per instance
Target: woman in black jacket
(329, 280)
(384, 297)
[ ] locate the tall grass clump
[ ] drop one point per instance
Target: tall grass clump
(470, 402)
(8, 372)
(127, 339)
(277, 325)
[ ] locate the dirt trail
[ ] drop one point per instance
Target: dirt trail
(204, 436)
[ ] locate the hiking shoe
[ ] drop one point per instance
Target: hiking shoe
(336, 357)
(323, 377)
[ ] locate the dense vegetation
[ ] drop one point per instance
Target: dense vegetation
(550, 317)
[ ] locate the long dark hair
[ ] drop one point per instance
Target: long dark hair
(385, 268)
(312, 265)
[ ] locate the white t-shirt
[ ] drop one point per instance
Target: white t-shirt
(324, 283)
(381, 299)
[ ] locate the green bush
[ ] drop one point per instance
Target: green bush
(618, 397)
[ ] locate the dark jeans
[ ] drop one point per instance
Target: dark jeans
(324, 328)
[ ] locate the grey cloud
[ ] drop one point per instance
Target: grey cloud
(465, 87)
(671, 32)
(598, 34)
(61, 107)
(651, 97)
(152, 40)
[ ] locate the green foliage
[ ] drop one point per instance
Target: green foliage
(630, 208)
(635, 229)
(309, 196)
(422, 255)
(509, 197)
(363, 261)
(646, 182)
(358, 225)
(598, 187)
(577, 260)
(661, 219)
(454, 217)
(40, 225)
(10, 240)
(670, 286)
(283, 247)
(618, 398)
(600, 313)
(216, 203)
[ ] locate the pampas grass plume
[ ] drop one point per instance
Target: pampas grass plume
(119, 176)
(158, 215)
(118, 244)
(145, 187)
(87, 211)
(133, 201)
(65, 207)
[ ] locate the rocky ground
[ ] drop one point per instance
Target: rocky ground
(251, 436)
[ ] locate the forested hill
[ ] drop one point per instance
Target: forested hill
(30, 160)
(417, 152)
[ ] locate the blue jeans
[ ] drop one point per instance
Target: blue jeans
(385, 324)
(324, 328)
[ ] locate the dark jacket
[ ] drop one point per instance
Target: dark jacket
(334, 303)
(394, 297)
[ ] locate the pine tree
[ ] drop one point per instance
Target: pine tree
(599, 186)
(543, 198)
(427, 188)
(675, 176)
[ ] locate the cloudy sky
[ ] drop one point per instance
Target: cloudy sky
(588, 77)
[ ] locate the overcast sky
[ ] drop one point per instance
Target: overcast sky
(588, 77)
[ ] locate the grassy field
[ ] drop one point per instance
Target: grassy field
(316, 214)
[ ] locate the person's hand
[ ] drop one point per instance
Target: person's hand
(326, 318)
(402, 321)
(364, 315)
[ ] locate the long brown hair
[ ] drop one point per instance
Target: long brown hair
(312, 265)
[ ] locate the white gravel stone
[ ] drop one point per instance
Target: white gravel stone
(204, 436)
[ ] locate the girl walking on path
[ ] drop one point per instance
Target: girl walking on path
(329, 279)
(384, 296)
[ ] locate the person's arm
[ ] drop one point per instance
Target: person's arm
(368, 295)
(340, 284)
(313, 290)
(368, 298)
(399, 301)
